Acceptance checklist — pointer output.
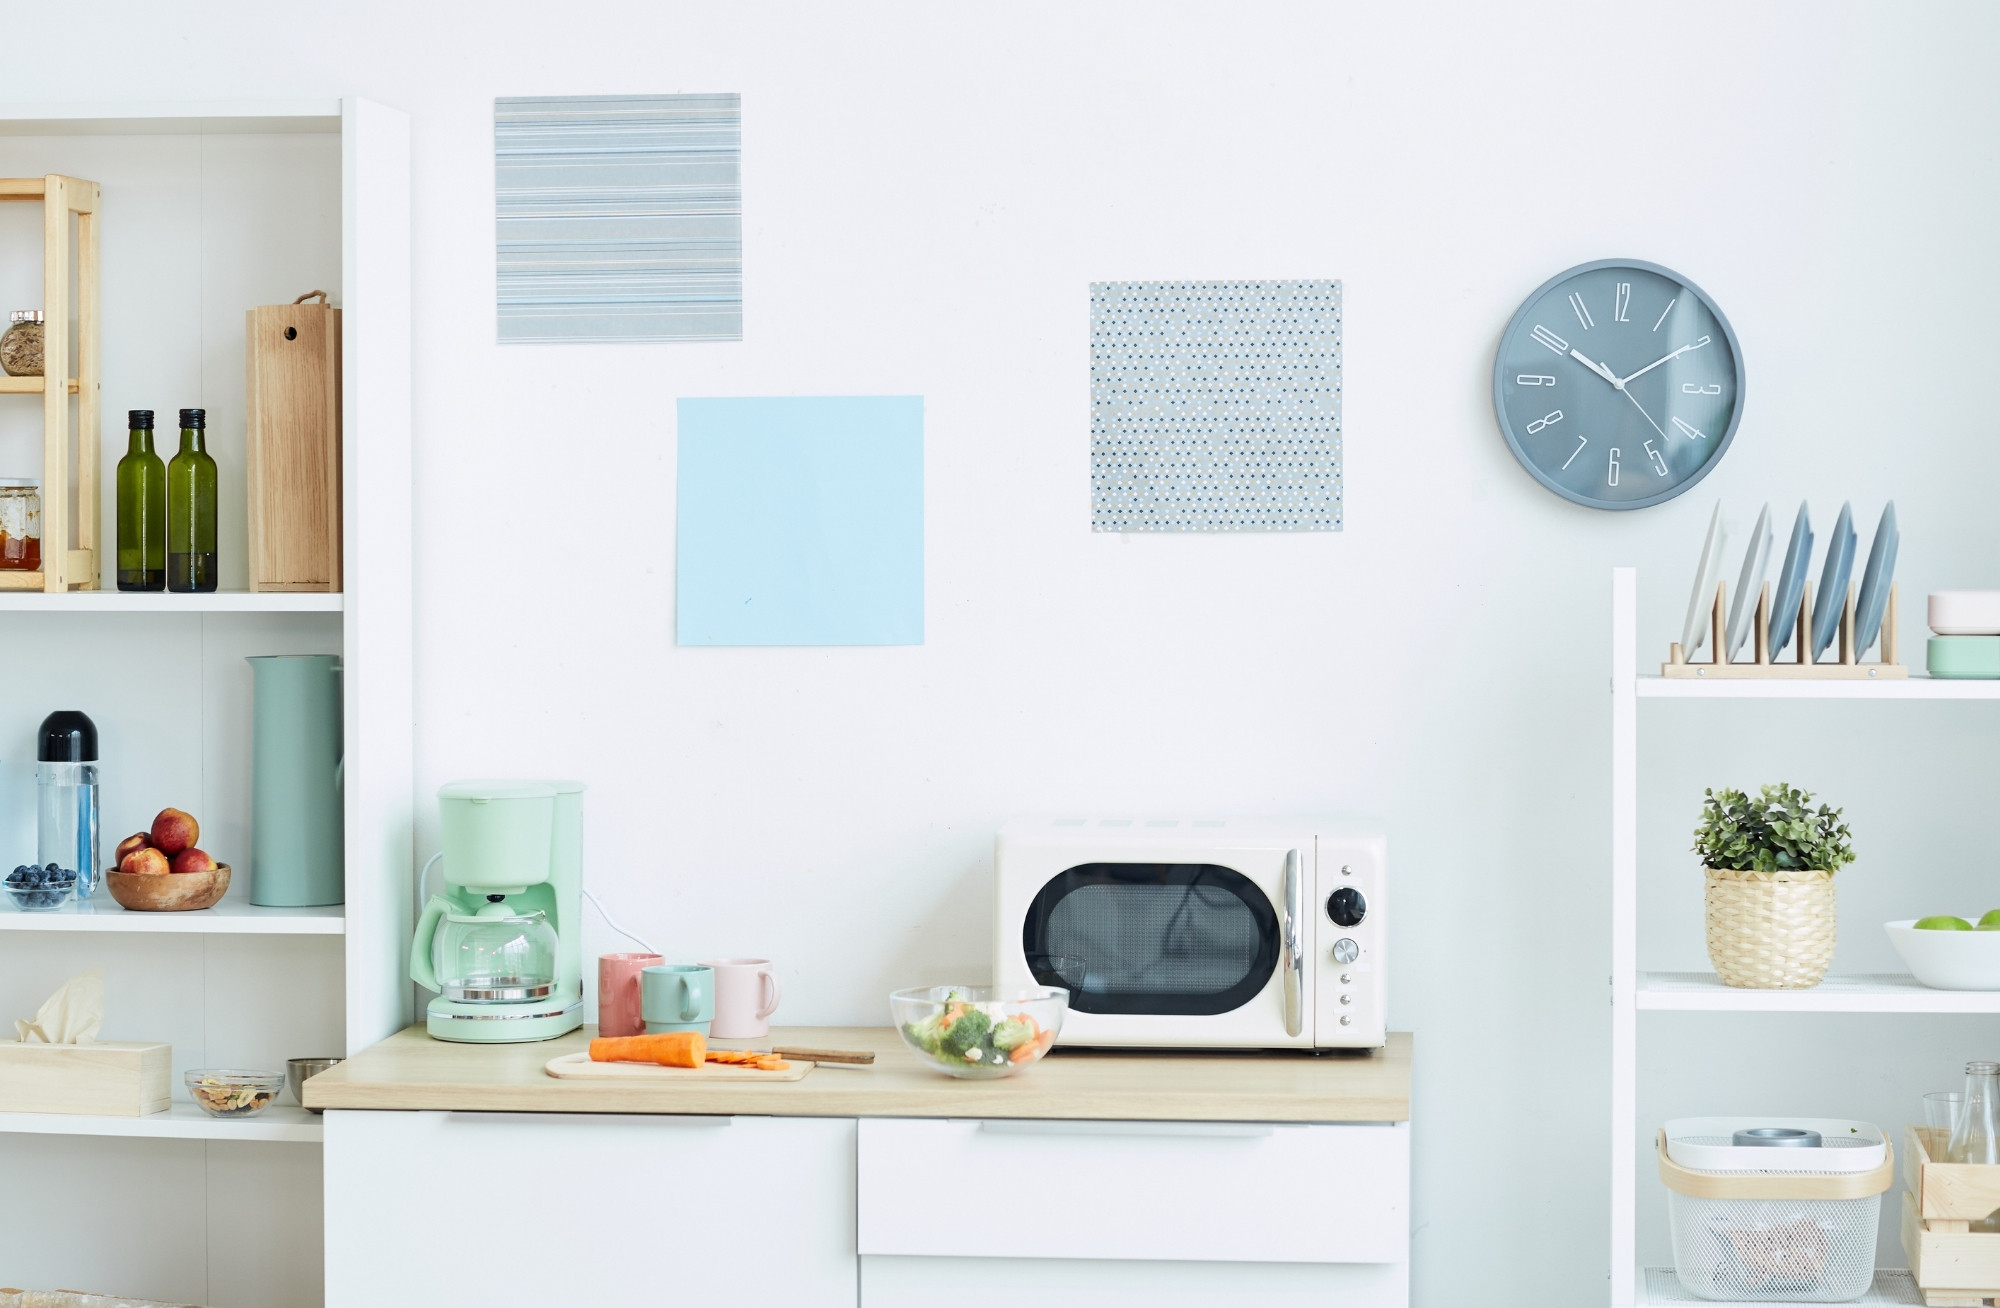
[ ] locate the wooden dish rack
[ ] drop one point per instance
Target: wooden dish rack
(67, 512)
(1849, 666)
(1953, 1265)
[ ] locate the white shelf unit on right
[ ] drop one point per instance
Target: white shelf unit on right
(1634, 992)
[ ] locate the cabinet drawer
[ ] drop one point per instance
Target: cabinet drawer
(1205, 1191)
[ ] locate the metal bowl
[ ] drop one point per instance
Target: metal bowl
(296, 1072)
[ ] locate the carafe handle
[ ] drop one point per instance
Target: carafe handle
(421, 970)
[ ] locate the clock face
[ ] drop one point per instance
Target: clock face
(1618, 384)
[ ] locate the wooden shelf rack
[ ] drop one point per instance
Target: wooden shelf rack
(66, 514)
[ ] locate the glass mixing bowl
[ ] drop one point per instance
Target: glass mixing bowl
(979, 1032)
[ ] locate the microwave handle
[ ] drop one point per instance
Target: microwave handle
(1295, 944)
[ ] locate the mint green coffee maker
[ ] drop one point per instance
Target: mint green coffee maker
(502, 944)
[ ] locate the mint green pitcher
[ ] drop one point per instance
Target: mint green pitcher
(297, 845)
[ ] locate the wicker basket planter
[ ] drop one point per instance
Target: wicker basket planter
(1770, 930)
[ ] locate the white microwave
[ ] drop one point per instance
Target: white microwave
(1264, 933)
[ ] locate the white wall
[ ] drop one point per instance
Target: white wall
(929, 189)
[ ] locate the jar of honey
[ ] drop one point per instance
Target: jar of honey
(20, 524)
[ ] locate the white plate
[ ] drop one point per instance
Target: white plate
(1743, 605)
(1695, 630)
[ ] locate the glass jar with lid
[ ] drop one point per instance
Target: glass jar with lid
(20, 524)
(21, 344)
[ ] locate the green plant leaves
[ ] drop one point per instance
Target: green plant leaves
(1779, 831)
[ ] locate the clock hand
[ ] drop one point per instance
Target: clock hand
(1597, 368)
(1640, 407)
(1620, 383)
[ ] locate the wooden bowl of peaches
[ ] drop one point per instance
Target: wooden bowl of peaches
(163, 871)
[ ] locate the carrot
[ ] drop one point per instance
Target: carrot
(670, 1049)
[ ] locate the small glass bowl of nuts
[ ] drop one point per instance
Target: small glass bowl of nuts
(231, 1092)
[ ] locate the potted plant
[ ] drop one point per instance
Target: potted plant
(1770, 863)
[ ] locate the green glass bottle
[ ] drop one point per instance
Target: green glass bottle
(191, 509)
(142, 510)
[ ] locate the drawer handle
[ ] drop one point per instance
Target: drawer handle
(1295, 945)
(1177, 1130)
(614, 1119)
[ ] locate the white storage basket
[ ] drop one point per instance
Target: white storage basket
(1789, 1225)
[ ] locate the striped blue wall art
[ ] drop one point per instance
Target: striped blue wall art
(620, 218)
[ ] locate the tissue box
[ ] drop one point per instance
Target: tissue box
(113, 1079)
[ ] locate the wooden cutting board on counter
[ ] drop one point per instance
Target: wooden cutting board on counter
(578, 1067)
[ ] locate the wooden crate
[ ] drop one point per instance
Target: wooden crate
(111, 1079)
(68, 510)
(1954, 1266)
(293, 427)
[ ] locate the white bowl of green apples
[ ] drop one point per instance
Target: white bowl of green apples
(1950, 953)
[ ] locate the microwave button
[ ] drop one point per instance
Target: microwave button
(1345, 978)
(1347, 1019)
(1345, 950)
(1347, 999)
(1346, 907)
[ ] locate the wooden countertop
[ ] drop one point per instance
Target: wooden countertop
(410, 1070)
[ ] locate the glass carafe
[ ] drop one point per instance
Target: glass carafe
(494, 960)
(1975, 1138)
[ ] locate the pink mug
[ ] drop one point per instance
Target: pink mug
(618, 1004)
(746, 994)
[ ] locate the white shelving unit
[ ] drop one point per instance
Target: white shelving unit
(230, 917)
(279, 1122)
(1634, 992)
(213, 209)
(114, 601)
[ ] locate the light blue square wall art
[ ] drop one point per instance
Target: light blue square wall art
(620, 218)
(1215, 406)
(801, 521)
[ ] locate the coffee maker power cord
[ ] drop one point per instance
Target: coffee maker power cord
(614, 925)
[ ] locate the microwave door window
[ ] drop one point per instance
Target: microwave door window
(1168, 938)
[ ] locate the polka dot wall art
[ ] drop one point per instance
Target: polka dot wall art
(1215, 406)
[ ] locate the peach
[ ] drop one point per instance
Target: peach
(139, 840)
(144, 863)
(174, 831)
(193, 860)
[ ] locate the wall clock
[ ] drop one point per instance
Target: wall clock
(1618, 384)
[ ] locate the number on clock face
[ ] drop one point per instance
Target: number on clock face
(1618, 355)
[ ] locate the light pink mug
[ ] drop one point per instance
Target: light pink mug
(746, 994)
(618, 1004)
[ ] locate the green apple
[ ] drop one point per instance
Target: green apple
(1943, 924)
(1992, 919)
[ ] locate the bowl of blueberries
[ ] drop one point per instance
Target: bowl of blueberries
(39, 889)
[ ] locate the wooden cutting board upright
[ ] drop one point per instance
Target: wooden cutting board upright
(293, 431)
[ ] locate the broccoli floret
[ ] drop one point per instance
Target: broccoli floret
(966, 1032)
(1013, 1033)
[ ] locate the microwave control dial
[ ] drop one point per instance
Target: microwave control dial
(1346, 907)
(1345, 950)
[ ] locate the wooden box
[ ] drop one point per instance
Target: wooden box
(1954, 1266)
(293, 446)
(112, 1079)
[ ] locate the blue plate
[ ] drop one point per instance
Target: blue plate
(1791, 581)
(1832, 597)
(1875, 581)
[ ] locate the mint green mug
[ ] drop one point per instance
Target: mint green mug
(677, 997)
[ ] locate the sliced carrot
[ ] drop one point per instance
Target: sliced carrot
(669, 1049)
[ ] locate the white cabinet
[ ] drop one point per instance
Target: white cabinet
(495, 1210)
(1194, 1191)
(1140, 1213)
